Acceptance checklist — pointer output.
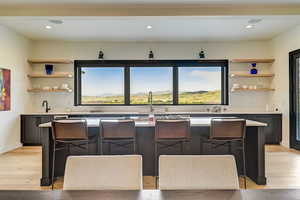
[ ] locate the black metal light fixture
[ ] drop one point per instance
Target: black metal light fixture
(202, 54)
(151, 54)
(101, 55)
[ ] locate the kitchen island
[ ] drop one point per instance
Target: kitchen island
(255, 151)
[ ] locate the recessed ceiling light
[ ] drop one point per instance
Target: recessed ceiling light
(48, 27)
(56, 21)
(149, 27)
(249, 26)
(254, 21)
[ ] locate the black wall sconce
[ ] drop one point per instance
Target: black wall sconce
(202, 54)
(101, 55)
(151, 54)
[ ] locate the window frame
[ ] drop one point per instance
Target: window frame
(126, 64)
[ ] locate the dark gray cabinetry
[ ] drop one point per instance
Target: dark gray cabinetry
(273, 131)
(30, 132)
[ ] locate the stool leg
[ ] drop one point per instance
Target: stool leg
(155, 163)
(134, 147)
(244, 164)
(109, 148)
(68, 149)
(201, 146)
(53, 165)
(101, 147)
(229, 147)
(87, 147)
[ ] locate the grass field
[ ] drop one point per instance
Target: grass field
(210, 97)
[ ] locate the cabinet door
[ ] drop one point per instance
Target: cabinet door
(273, 131)
(31, 131)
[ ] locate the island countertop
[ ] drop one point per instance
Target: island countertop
(157, 113)
(195, 121)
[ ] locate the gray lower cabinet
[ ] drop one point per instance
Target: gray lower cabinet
(30, 132)
(273, 131)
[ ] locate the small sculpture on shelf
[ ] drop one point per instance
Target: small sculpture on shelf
(253, 69)
(49, 69)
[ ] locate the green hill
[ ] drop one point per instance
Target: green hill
(198, 97)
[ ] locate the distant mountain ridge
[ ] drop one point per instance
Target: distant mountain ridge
(154, 93)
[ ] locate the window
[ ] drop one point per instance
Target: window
(158, 80)
(172, 82)
(102, 85)
(199, 85)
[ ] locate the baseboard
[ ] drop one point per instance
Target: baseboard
(9, 148)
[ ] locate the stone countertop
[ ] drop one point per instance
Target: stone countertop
(195, 121)
(141, 113)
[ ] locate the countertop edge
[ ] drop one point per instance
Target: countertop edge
(137, 113)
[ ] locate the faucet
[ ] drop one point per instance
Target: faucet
(45, 102)
(150, 101)
(216, 109)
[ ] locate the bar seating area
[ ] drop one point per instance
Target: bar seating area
(105, 171)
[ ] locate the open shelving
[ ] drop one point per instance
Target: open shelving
(252, 60)
(55, 75)
(248, 89)
(245, 75)
(35, 90)
(50, 61)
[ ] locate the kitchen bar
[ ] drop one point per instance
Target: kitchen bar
(255, 151)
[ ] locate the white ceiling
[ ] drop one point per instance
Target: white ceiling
(28, 2)
(164, 28)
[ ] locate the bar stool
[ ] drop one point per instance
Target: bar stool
(66, 134)
(176, 132)
(117, 132)
(227, 130)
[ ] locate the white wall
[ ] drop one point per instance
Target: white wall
(14, 50)
(281, 46)
(241, 101)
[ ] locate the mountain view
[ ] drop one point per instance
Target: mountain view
(199, 97)
(196, 85)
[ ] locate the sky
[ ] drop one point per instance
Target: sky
(101, 81)
(110, 81)
(199, 78)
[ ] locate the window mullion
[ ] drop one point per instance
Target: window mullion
(175, 85)
(127, 85)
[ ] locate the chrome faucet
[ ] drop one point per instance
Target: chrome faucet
(150, 102)
(45, 102)
(216, 109)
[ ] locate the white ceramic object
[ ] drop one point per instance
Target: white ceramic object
(46, 88)
(65, 86)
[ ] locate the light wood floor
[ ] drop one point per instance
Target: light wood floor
(21, 170)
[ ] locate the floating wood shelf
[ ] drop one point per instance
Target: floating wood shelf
(248, 89)
(50, 61)
(50, 90)
(245, 75)
(250, 60)
(55, 75)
